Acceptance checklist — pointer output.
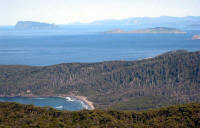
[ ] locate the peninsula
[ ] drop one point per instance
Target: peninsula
(166, 79)
(30, 25)
(157, 30)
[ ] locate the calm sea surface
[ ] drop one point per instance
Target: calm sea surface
(28, 49)
(40, 48)
(55, 102)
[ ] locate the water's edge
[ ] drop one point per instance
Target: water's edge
(86, 104)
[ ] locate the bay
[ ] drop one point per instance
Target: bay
(55, 102)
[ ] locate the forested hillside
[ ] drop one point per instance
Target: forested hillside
(170, 78)
(24, 116)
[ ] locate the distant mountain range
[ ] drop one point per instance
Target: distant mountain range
(149, 30)
(188, 22)
(30, 25)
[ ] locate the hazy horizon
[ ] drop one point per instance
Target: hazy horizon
(65, 11)
(96, 20)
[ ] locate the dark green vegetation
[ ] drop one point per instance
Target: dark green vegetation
(23, 116)
(157, 30)
(170, 78)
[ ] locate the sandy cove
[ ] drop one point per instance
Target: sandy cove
(84, 99)
(81, 98)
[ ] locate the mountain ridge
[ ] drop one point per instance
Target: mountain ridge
(166, 79)
(187, 22)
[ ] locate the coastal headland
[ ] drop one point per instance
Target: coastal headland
(124, 85)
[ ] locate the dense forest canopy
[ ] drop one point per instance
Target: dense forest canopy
(23, 116)
(170, 78)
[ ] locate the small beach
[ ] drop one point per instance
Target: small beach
(81, 98)
(85, 100)
(59, 103)
(86, 104)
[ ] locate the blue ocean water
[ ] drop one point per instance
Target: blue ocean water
(38, 49)
(55, 102)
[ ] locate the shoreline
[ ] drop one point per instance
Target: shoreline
(82, 99)
(86, 101)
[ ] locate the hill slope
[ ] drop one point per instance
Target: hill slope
(169, 78)
(23, 116)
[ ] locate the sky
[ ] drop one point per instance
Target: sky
(69, 11)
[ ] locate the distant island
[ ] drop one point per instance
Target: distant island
(157, 30)
(30, 25)
(196, 37)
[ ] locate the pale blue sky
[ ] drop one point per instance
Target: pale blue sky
(68, 11)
